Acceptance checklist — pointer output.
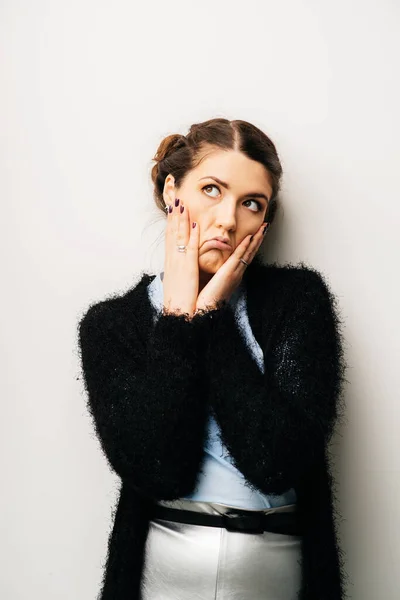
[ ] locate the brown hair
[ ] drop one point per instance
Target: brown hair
(178, 154)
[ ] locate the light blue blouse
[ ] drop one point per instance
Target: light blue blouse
(219, 480)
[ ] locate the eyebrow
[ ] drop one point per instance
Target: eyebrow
(227, 186)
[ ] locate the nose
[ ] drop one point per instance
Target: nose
(225, 218)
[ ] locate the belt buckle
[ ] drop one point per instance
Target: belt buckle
(244, 522)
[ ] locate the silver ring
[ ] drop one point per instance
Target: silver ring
(243, 261)
(181, 248)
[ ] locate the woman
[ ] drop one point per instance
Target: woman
(215, 387)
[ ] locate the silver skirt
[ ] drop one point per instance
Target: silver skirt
(197, 562)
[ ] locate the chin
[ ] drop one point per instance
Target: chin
(212, 261)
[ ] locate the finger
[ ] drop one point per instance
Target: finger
(175, 220)
(182, 229)
(261, 236)
(242, 247)
(194, 234)
(172, 232)
(256, 242)
(249, 246)
(168, 229)
(187, 234)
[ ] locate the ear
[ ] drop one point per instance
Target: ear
(169, 189)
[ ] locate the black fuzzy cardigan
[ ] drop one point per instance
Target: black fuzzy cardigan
(150, 386)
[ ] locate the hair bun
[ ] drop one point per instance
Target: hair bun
(169, 144)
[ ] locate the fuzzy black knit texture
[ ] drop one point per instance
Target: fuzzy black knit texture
(150, 387)
(291, 409)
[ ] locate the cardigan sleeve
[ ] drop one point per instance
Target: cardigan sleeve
(146, 397)
(275, 423)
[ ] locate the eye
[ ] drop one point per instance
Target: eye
(211, 186)
(259, 205)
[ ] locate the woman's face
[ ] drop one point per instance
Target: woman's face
(232, 212)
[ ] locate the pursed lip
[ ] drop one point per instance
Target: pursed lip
(219, 242)
(216, 243)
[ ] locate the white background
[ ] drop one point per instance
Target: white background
(88, 90)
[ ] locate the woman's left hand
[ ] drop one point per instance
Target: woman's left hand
(228, 277)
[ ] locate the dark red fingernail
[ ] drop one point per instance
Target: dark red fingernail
(182, 208)
(176, 201)
(194, 224)
(170, 208)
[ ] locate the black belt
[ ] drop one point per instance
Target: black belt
(242, 521)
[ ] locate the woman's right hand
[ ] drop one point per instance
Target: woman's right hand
(181, 269)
